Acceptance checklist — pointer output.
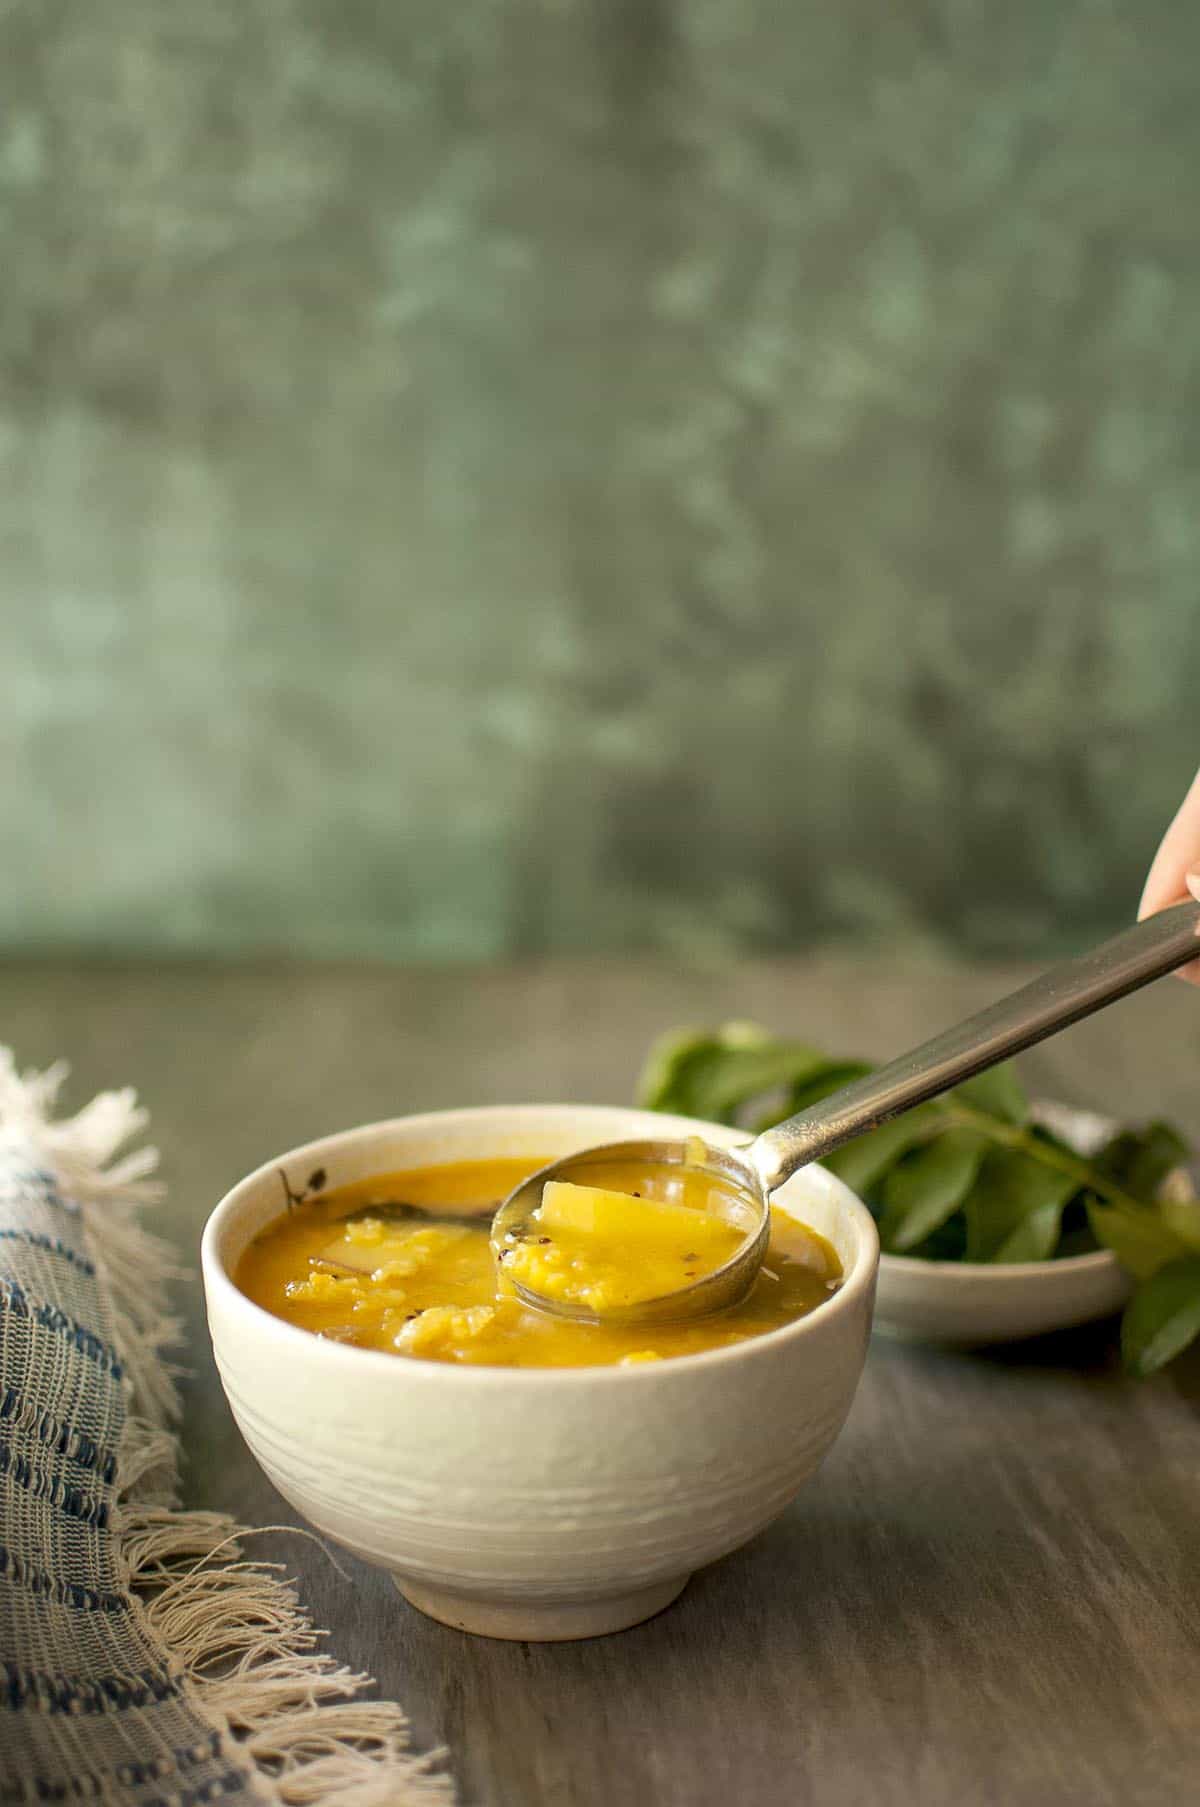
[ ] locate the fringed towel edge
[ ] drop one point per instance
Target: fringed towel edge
(232, 1629)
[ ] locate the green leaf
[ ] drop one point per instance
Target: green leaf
(1141, 1240)
(1162, 1318)
(928, 1186)
(864, 1161)
(998, 1092)
(1181, 1215)
(742, 1074)
(674, 1062)
(1139, 1160)
(1075, 1238)
(1035, 1237)
(1161, 1226)
(715, 1074)
(830, 1077)
(686, 1068)
(1014, 1212)
(948, 1242)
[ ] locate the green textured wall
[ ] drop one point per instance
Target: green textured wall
(696, 474)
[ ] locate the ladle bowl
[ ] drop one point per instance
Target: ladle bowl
(749, 1209)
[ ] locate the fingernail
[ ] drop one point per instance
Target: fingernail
(1192, 881)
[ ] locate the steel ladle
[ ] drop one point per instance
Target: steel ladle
(756, 1169)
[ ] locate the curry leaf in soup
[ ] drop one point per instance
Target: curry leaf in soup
(1014, 1211)
(998, 1092)
(927, 1187)
(1163, 1317)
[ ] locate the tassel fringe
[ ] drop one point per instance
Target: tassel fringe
(232, 1628)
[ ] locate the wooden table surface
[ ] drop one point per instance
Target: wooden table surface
(989, 1594)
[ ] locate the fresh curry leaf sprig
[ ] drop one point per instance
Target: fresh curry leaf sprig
(972, 1175)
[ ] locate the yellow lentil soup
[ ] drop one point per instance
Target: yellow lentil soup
(402, 1262)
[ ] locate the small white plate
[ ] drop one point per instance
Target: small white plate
(969, 1304)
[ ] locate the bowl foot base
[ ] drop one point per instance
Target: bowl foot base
(541, 1622)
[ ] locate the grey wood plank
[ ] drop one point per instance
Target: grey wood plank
(990, 1593)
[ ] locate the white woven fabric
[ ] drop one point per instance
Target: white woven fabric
(143, 1660)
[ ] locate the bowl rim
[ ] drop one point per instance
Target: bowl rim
(217, 1280)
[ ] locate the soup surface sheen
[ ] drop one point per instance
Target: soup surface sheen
(357, 1265)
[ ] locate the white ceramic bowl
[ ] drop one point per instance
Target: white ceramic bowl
(969, 1304)
(534, 1504)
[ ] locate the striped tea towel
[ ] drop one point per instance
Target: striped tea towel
(143, 1661)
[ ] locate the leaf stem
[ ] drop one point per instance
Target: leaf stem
(1014, 1135)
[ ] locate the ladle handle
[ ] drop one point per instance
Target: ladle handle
(1058, 997)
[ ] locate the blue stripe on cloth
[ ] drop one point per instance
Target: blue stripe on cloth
(205, 1794)
(87, 1786)
(46, 1692)
(72, 1501)
(90, 1708)
(179, 1759)
(14, 1568)
(14, 1298)
(17, 1181)
(90, 1784)
(57, 1435)
(51, 1245)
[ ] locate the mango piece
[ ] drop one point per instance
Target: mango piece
(619, 1217)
